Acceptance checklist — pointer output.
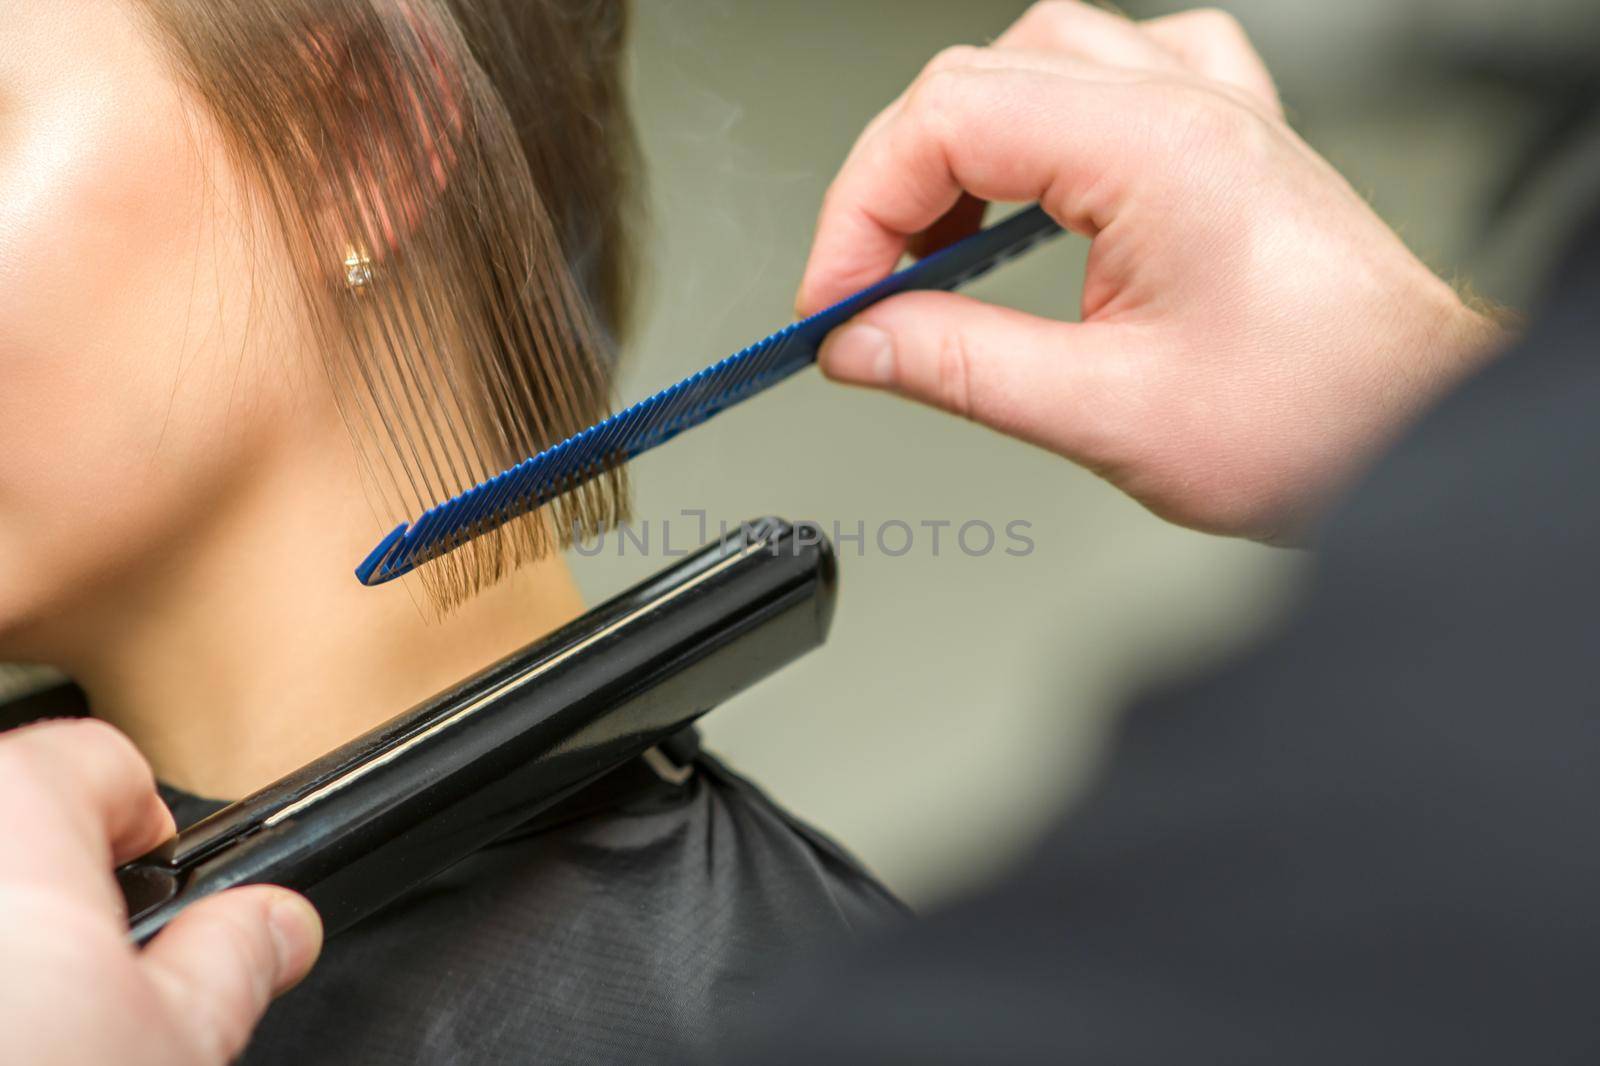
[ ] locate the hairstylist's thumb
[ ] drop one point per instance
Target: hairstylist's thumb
(990, 364)
(221, 962)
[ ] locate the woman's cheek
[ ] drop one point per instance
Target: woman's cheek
(124, 320)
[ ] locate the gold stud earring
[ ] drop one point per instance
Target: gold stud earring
(357, 269)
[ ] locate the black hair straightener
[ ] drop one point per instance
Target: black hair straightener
(360, 826)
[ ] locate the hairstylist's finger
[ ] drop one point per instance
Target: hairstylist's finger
(966, 56)
(84, 791)
(998, 133)
(1205, 41)
(966, 215)
(1058, 385)
(220, 963)
(1214, 45)
(1076, 29)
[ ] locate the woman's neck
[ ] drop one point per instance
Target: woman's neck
(251, 649)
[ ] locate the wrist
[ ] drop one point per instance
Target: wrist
(1443, 337)
(1467, 333)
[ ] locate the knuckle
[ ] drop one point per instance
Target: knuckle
(1051, 20)
(952, 58)
(1220, 23)
(36, 754)
(934, 92)
(937, 101)
(1211, 121)
(1053, 11)
(106, 751)
(106, 740)
(944, 96)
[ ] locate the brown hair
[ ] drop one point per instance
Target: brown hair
(472, 160)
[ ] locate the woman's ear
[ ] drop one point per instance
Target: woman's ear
(395, 94)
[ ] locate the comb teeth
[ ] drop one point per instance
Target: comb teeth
(562, 467)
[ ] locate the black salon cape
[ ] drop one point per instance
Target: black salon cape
(638, 922)
(1374, 840)
(640, 932)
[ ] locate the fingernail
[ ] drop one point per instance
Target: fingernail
(860, 354)
(297, 938)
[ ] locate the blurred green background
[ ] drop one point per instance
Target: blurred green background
(962, 699)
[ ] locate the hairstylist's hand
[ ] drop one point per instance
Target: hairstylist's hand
(76, 798)
(1251, 330)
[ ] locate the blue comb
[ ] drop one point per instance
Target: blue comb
(560, 468)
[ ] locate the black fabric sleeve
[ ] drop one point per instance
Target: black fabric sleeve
(1374, 840)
